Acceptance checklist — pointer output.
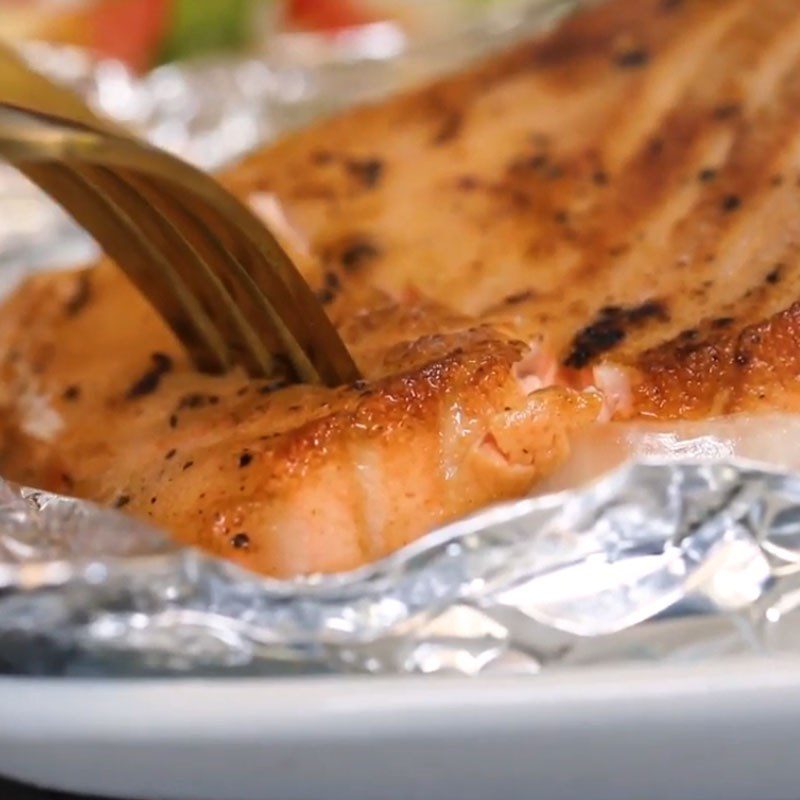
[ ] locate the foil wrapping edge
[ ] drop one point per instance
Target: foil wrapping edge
(656, 559)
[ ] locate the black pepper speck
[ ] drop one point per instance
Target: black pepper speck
(731, 202)
(81, 295)
(72, 392)
(358, 253)
(726, 111)
(240, 541)
(367, 171)
(151, 379)
(774, 275)
(633, 58)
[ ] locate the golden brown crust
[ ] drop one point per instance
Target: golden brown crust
(620, 184)
(286, 480)
(730, 369)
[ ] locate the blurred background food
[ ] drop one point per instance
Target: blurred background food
(145, 33)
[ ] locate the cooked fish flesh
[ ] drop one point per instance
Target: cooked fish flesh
(600, 224)
(101, 403)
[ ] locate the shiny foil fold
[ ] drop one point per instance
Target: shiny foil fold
(658, 560)
(655, 560)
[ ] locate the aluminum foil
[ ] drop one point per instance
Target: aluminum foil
(672, 558)
(656, 560)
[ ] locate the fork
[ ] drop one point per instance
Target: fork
(207, 264)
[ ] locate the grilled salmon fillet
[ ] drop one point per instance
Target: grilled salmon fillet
(601, 223)
(101, 403)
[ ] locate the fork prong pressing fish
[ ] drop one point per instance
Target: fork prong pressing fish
(603, 223)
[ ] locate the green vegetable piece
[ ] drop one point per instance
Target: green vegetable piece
(205, 26)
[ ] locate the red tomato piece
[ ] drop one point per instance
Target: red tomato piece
(327, 14)
(130, 30)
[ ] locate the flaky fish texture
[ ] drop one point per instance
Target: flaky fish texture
(602, 223)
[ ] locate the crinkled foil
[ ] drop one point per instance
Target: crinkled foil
(656, 560)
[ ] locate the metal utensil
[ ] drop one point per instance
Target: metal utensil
(207, 264)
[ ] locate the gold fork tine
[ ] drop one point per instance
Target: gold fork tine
(126, 243)
(24, 87)
(175, 253)
(153, 273)
(163, 254)
(276, 301)
(220, 280)
(236, 294)
(268, 303)
(308, 338)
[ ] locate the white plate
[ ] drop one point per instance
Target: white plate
(722, 731)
